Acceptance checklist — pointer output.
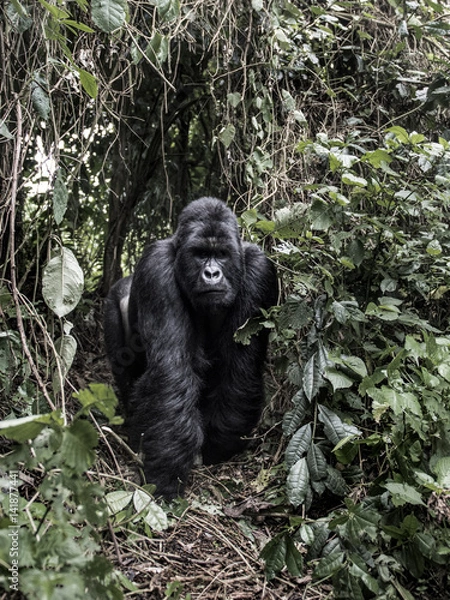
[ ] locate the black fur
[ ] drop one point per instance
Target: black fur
(187, 386)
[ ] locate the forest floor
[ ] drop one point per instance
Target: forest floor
(211, 549)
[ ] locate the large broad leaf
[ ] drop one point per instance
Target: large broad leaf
(78, 447)
(27, 428)
(62, 283)
(109, 15)
(312, 377)
(153, 514)
(293, 418)
(118, 500)
(335, 428)
(299, 445)
(297, 482)
(317, 464)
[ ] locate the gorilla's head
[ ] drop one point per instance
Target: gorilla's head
(209, 259)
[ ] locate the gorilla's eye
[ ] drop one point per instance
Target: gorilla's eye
(221, 254)
(201, 253)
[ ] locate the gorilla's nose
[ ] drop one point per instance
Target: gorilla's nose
(212, 274)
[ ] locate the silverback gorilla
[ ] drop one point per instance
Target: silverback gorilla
(186, 385)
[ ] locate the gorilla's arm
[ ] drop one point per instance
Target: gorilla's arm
(234, 406)
(164, 419)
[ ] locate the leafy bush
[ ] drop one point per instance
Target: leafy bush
(51, 529)
(368, 274)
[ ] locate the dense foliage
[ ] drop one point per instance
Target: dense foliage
(326, 125)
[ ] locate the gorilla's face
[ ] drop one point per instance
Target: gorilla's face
(209, 257)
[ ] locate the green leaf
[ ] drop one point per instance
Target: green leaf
(402, 493)
(4, 131)
(322, 215)
(293, 418)
(155, 517)
(335, 482)
(317, 464)
(54, 10)
(78, 445)
(398, 402)
(295, 313)
(117, 501)
(167, 9)
(293, 559)
(89, 83)
(335, 428)
(67, 348)
(298, 445)
(98, 396)
(158, 49)
(297, 483)
(377, 158)
(109, 15)
(274, 555)
(234, 99)
(355, 364)
(28, 428)
(40, 97)
(338, 379)
(257, 5)
(60, 196)
(226, 135)
(351, 179)
(442, 470)
(62, 283)
(400, 133)
(312, 377)
(329, 565)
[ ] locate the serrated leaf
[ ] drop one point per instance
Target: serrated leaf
(62, 283)
(79, 442)
(108, 15)
(386, 397)
(298, 445)
(98, 396)
(295, 313)
(297, 483)
(322, 215)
